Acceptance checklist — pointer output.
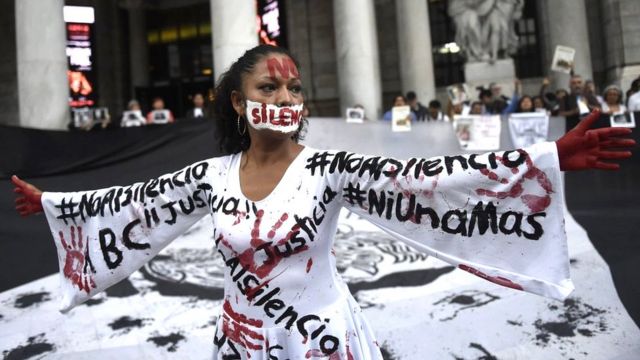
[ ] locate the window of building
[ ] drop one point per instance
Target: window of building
(448, 61)
(179, 43)
(528, 59)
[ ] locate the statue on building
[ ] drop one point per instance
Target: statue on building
(485, 29)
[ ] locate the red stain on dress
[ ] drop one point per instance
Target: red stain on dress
(309, 264)
(349, 354)
(318, 353)
(239, 216)
(236, 327)
(494, 279)
(252, 292)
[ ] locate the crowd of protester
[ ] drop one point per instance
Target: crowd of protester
(581, 98)
(133, 116)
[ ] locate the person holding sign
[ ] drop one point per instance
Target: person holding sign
(274, 204)
(158, 114)
(577, 104)
(398, 101)
(133, 115)
(613, 101)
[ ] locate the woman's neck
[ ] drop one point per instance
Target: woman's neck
(265, 153)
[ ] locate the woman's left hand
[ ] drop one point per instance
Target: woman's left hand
(584, 148)
(29, 201)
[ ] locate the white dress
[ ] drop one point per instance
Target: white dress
(496, 215)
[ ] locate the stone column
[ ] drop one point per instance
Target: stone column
(43, 92)
(357, 56)
(414, 47)
(566, 23)
(234, 31)
(138, 50)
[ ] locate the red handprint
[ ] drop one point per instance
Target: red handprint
(275, 250)
(77, 261)
(412, 187)
(234, 327)
(534, 202)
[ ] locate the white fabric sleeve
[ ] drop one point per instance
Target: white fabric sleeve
(102, 236)
(497, 215)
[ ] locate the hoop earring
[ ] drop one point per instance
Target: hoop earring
(245, 127)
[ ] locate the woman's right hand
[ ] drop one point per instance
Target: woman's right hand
(585, 148)
(29, 200)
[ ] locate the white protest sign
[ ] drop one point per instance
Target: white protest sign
(401, 118)
(355, 115)
(82, 117)
(529, 128)
(462, 127)
(623, 120)
(101, 114)
(563, 59)
(478, 132)
(132, 118)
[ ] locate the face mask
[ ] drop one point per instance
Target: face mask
(285, 119)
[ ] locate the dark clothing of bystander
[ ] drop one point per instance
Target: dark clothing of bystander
(420, 112)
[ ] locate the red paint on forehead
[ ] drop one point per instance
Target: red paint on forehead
(284, 66)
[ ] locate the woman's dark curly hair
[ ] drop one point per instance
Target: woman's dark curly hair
(226, 116)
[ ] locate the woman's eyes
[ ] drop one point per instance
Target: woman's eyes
(296, 89)
(267, 87)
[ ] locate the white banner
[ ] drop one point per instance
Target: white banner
(529, 128)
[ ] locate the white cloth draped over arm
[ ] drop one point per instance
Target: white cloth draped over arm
(102, 236)
(497, 215)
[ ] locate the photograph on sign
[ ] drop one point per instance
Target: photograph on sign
(132, 118)
(401, 118)
(478, 132)
(458, 93)
(462, 127)
(355, 115)
(160, 117)
(626, 119)
(563, 59)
